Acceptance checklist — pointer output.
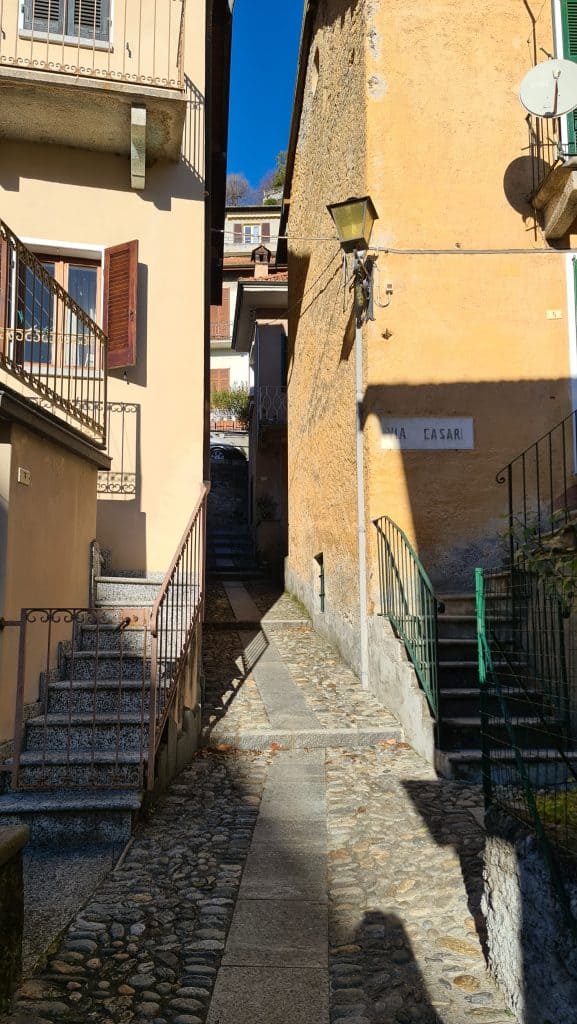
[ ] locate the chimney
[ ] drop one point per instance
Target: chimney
(261, 258)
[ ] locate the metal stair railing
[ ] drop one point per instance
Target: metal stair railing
(409, 602)
(176, 629)
(523, 634)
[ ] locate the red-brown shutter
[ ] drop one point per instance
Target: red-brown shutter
(220, 317)
(238, 234)
(4, 285)
(265, 233)
(120, 277)
(219, 380)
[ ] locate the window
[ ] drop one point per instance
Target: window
(219, 380)
(252, 234)
(76, 19)
(41, 325)
(35, 314)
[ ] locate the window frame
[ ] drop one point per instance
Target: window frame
(62, 263)
(64, 38)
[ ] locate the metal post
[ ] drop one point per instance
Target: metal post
(362, 544)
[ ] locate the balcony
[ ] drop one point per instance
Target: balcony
(72, 72)
(52, 354)
(554, 161)
(272, 406)
(220, 334)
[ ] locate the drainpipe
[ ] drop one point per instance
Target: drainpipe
(362, 538)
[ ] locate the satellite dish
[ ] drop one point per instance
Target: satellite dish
(550, 89)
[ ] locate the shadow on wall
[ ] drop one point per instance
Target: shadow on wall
(165, 181)
(464, 520)
(120, 490)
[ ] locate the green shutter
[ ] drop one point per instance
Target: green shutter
(569, 21)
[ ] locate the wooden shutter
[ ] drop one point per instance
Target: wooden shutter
(90, 18)
(120, 286)
(219, 380)
(44, 16)
(569, 22)
(220, 317)
(238, 234)
(265, 233)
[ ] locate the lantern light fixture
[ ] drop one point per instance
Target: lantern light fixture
(354, 219)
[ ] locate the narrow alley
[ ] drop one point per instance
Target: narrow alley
(307, 866)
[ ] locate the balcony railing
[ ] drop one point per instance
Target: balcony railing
(51, 352)
(272, 405)
(137, 42)
(547, 147)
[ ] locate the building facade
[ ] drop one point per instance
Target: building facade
(112, 173)
(472, 352)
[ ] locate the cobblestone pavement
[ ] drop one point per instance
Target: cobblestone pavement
(340, 886)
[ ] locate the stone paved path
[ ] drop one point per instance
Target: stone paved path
(325, 885)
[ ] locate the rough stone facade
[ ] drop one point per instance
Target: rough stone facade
(11, 910)
(468, 327)
(532, 953)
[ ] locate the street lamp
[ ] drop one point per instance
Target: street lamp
(354, 221)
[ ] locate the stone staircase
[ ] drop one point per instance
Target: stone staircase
(230, 552)
(459, 696)
(82, 759)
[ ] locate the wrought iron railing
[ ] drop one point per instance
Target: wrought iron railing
(527, 647)
(272, 404)
(547, 147)
(176, 628)
(119, 483)
(409, 602)
(136, 42)
(90, 726)
(542, 489)
(51, 351)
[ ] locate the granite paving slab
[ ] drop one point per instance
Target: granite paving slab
(263, 995)
(278, 933)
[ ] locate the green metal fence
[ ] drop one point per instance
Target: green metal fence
(408, 600)
(527, 645)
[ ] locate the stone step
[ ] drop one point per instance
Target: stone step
(457, 603)
(109, 637)
(75, 769)
(105, 696)
(70, 818)
(125, 591)
(463, 700)
(457, 648)
(106, 665)
(313, 739)
(84, 732)
(464, 732)
(543, 764)
(457, 626)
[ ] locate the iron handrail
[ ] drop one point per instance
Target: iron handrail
(43, 355)
(541, 493)
(409, 602)
(175, 623)
(523, 792)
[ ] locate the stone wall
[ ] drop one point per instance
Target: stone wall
(11, 910)
(532, 953)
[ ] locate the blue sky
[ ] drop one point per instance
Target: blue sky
(264, 59)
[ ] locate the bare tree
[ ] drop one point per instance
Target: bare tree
(237, 189)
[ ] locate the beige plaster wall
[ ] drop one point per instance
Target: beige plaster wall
(45, 535)
(419, 108)
(52, 193)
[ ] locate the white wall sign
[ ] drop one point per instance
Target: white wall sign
(435, 433)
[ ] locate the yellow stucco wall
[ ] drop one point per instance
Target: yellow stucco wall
(45, 534)
(57, 194)
(419, 108)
